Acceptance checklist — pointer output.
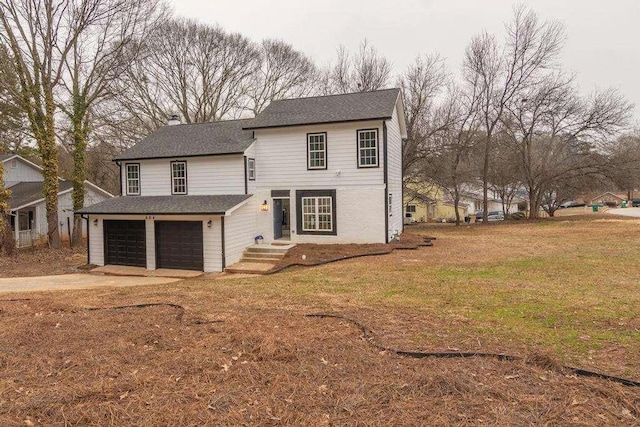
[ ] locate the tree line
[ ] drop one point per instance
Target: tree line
(80, 80)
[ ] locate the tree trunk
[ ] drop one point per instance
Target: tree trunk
(79, 172)
(485, 180)
(49, 154)
(7, 240)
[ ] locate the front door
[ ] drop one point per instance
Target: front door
(277, 219)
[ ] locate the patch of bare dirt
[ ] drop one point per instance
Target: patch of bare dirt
(43, 262)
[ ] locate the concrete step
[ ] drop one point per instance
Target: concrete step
(249, 268)
(266, 249)
(262, 259)
(258, 254)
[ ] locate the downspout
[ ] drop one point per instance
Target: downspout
(120, 168)
(386, 182)
(88, 239)
(224, 255)
(246, 183)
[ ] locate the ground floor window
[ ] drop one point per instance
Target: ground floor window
(411, 209)
(316, 211)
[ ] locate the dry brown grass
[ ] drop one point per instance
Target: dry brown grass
(43, 261)
(243, 353)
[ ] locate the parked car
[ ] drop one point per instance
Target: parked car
(572, 204)
(495, 216)
(635, 203)
(492, 216)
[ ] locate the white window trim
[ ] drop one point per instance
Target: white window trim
(309, 151)
(361, 149)
(128, 180)
(251, 169)
(176, 179)
(317, 214)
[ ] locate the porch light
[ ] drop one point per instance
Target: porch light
(209, 224)
(95, 222)
(264, 207)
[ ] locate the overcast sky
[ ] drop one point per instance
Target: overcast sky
(603, 45)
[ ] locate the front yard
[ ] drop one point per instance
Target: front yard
(242, 351)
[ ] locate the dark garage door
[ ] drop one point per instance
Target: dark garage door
(179, 245)
(125, 243)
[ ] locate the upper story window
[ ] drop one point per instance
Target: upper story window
(368, 148)
(411, 209)
(251, 169)
(133, 179)
(178, 177)
(317, 150)
(14, 164)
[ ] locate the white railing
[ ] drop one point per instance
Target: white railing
(26, 238)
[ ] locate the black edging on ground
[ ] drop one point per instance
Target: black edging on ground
(370, 338)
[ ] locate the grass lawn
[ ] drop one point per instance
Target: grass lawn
(556, 292)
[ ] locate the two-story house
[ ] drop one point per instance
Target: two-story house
(28, 213)
(310, 170)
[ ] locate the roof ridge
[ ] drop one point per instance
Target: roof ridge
(208, 123)
(336, 94)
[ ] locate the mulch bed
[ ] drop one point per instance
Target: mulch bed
(306, 254)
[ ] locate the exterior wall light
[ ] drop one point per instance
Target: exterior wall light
(264, 207)
(95, 222)
(209, 223)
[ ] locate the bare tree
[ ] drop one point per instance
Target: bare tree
(364, 71)
(99, 55)
(283, 73)
(421, 83)
(40, 34)
(531, 48)
(195, 70)
(555, 133)
(449, 163)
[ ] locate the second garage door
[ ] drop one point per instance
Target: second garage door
(179, 245)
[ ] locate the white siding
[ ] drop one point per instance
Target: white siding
(359, 219)
(251, 153)
(282, 157)
(212, 245)
(205, 175)
(394, 174)
(150, 236)
(23, 172)
(240, 231)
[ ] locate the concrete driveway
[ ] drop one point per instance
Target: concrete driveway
(634, 212)
(76, 281)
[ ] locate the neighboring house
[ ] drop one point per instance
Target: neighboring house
(310, 170)
(610, 198)
(28, 214)
(428, 202)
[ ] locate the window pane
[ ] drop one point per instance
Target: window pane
(368, 148)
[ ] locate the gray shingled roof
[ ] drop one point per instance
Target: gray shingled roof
(25, 193)
(167, 205)
(188, 140)
(327, 109)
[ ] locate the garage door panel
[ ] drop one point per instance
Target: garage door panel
(179, 244)
(125, 242)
